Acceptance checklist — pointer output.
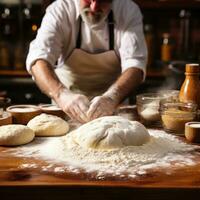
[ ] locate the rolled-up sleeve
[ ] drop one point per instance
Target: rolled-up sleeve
(48, 43)
(133, 50)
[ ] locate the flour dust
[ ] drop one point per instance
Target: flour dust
(162, 151)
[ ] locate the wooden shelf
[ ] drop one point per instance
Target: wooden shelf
(165, 4)
(14, 73)
(22, 73)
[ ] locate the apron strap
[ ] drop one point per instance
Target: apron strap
(111, 27)
(78, 41)
(111, 32)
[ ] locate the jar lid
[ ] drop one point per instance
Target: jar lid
(192, 131)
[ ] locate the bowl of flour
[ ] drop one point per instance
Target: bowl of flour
(148, 105)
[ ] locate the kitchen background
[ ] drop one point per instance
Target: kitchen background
(172, 32)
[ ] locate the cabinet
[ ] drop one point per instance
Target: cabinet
(172, 4)
(163, 16)
(179, 18)
(19, 22)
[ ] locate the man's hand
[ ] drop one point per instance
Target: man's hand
(74, 105)
(78, 106)
(101, 106)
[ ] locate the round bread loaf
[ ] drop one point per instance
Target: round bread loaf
(15, 134)
(48, 125)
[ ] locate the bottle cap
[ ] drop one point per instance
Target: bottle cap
(192, 68)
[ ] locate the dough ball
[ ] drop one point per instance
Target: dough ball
(111, 132)
(48, 125)
(15, 134)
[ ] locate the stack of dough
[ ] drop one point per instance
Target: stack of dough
(41, 125)
(110, 132)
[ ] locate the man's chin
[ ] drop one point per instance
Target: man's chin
(94, 23)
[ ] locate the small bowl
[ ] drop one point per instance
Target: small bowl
(148, 105)
(5, 118)
(22, 114)
(192, 132)
(52, 110)
(175, 115)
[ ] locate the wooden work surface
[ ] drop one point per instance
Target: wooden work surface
(33, 183)
(11, 174)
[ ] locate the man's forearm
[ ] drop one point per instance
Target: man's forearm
(74, 105)
(125, 84)
(46, 79)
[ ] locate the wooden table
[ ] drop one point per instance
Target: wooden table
(18, 183)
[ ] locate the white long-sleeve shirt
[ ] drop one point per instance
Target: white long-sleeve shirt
(56, 38)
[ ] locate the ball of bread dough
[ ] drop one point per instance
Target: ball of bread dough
(110, 132)
(15, 134)
(48, 125)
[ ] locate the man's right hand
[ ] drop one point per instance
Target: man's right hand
(74, 105)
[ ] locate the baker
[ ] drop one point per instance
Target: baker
(88, 55)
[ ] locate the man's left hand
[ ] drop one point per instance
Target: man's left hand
(101, 106)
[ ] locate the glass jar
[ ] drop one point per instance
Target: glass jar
(148, 105)
(175, 115)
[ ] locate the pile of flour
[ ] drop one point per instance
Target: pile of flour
(163, 150)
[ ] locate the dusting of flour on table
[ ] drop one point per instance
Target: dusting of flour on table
(161, 151)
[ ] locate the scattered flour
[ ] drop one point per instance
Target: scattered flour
(163, 150)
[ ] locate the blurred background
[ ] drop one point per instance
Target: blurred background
(172, 33)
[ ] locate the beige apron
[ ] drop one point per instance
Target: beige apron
(90, 74)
